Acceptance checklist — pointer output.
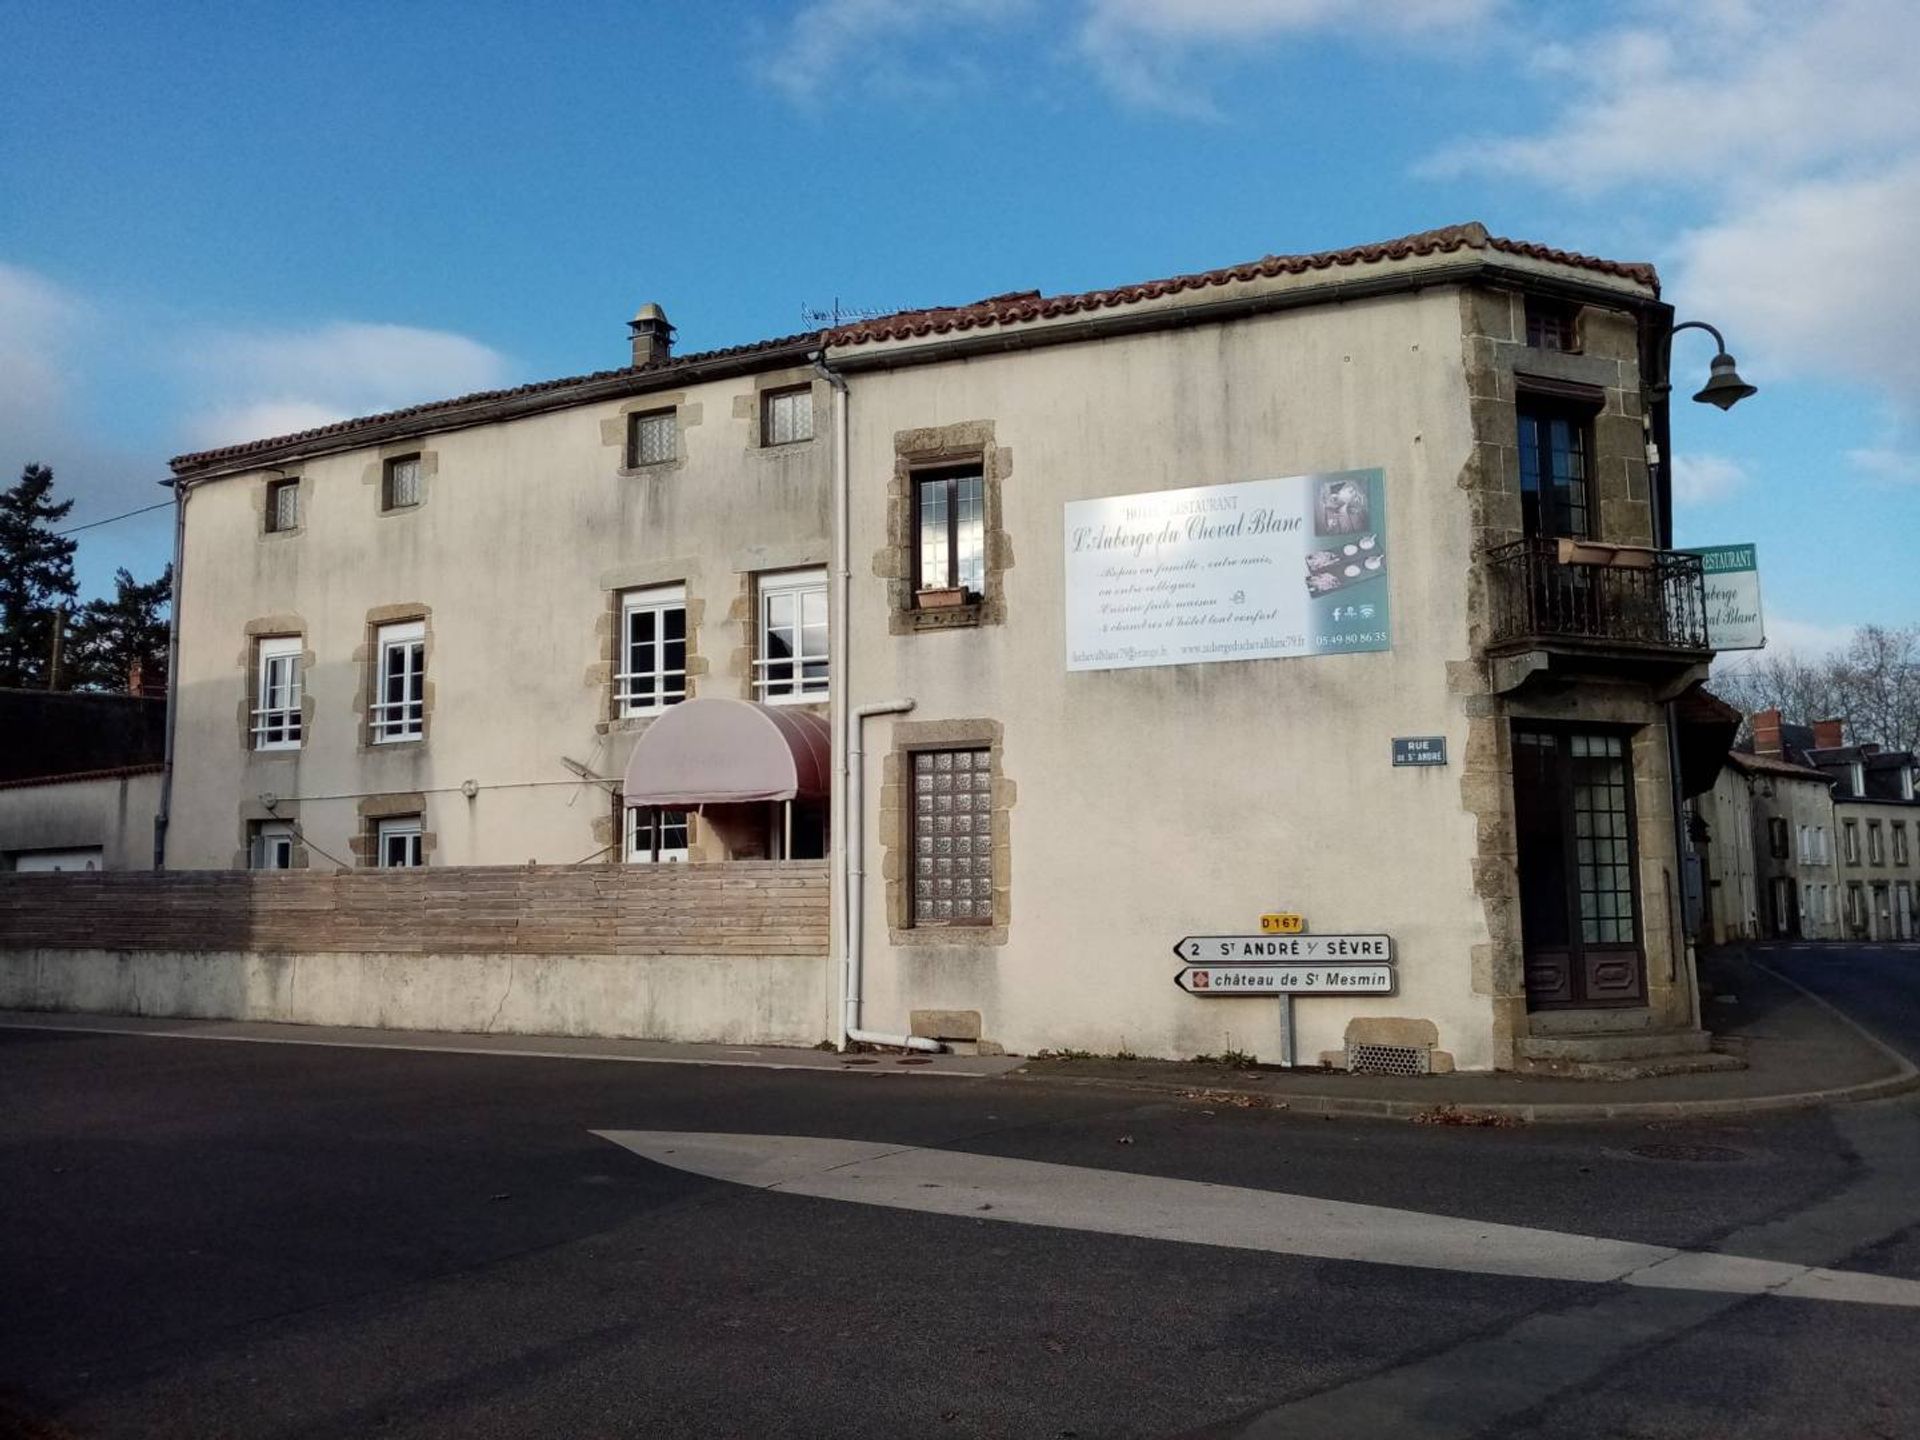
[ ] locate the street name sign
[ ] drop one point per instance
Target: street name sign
(1280, 949)
(1419, 750)
(1286, 980)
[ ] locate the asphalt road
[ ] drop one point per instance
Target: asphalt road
(206, 1239)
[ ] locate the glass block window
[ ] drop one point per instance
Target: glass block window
(656, 837)
(653, 650)
(283, 505)
(952, 837)
(402, 482)
(1602, 849)
(951, 539)
(652, 438)
(786, 416)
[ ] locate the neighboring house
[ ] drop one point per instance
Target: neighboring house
(1113, 611)
(1770, 852)
(1877, 816)
(79, 780)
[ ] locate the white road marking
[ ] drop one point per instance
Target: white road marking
(1071, 1197)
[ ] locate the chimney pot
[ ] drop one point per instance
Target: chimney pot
(652, 336)
(1829, 734)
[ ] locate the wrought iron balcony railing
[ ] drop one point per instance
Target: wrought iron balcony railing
(1596, 596)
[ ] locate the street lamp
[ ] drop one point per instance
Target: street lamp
(1724, 386)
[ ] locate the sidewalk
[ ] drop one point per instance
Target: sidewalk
(541, 1047)
(1799, 1052)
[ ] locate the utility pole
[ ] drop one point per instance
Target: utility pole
(59, 634)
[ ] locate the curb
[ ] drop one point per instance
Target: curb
(1294, 1103)
(1905, 1077)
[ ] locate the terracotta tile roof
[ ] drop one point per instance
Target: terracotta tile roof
(1020, 306)
(1768, 765)
(1012, 308)
(115, 773)
(199, 459)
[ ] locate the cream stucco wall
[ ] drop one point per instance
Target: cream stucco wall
(1733, 904)
(1154, 803)
(527, 530)
(113, 814)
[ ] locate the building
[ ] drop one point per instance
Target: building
(79, 780)
(1877, 818)
(1331, 587)
(1769, 848)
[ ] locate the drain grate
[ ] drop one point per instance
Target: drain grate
(1389, 1059)
(1680, 1150)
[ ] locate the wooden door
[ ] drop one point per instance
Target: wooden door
(1579, 868)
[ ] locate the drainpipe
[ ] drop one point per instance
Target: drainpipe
(846, 867)
(164, 818)
(854, 912)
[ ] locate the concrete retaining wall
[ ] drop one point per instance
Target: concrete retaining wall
(734, 954)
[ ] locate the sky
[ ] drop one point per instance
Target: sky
(225, 221)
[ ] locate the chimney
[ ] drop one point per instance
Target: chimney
(137, 676)
(1829, 734)
(652, 336)
(1766, 732)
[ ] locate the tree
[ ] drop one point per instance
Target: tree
(1873, 685)
(111, 634)
(36, 576)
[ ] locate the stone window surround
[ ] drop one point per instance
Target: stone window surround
(364, 845)
(896, 830)
(751, 408)
(614, 430)
(605, 664)
(273, 627)
(254, 811)
(933, 448)
(263, 497)
(374, 474)
(366, 659)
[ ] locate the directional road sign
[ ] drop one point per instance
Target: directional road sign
(1287, 980)
(1281, 949)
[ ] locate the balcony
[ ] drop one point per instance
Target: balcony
(1583, 606)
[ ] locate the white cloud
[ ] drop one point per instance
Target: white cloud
(830, 39)
(1688, 93)
(1818, 274)
(1154, 54)
(38, 324)
(1704, 479)
(255, 384)
(1892, 467)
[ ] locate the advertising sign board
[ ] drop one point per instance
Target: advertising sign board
(1733, 596)
(1255, 570)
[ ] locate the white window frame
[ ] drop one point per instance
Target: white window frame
(786, 415)
(272, 848)
(390, 483)
(669, 685)
(647, 826)
(278, 686)
(404, 831)
(653, 438)
(777, 592)
(405, 719)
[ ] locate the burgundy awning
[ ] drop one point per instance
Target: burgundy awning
(729, 752)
